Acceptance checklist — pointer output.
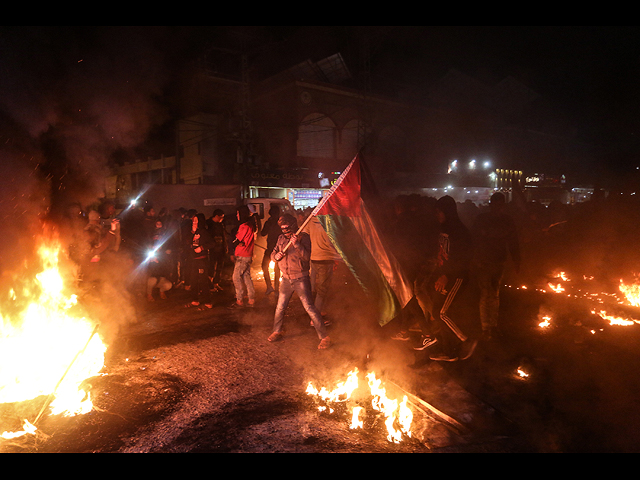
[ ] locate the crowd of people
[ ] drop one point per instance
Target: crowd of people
(449, 252)
(186, 249)
(447, 260)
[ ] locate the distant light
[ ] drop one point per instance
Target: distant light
(472, 164)
(487, 164)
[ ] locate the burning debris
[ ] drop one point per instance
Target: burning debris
(47, 346)
(398, 417)
(616, 308)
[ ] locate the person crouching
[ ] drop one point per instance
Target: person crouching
(294, 262)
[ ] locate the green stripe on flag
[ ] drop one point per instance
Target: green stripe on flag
(361, 262)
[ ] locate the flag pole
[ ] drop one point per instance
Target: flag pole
(322, 202)
(304, 224)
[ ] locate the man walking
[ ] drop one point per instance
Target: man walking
(293, 253)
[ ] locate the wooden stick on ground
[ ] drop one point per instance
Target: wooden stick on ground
(460, 428)
(49, 398)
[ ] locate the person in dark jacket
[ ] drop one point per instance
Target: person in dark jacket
(446, 337)
(159, 263)
(272, 231)
(495, 239)
(218, 254)
(293, 253)
(198, 256)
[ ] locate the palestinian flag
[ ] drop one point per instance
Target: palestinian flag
(344, 217)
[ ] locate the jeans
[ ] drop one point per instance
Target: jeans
(200, 285)
(321, 274)
(266, 260)
(489, 278)
(301, 286)
(242, 279)
(216, 263)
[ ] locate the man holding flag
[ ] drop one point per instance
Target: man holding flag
(293, 254)
(344, 216)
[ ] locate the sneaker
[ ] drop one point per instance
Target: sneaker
(443, 357)
(426, 342)
(467, 348)
(251, 304)
(163, 295)
(275, 336)
(324, 343)
(235, 306)
(402, 336)
(269, 291)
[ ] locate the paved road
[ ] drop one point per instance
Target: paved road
(184, 380)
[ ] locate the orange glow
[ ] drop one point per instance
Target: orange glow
(47, 348)
(398, 416)
(631, 293)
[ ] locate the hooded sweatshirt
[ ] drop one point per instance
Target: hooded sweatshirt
(454, 242)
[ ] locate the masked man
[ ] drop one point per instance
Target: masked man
(293, 254)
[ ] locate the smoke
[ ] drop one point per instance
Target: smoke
(71, 99)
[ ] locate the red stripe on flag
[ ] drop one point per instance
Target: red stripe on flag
(344, 196)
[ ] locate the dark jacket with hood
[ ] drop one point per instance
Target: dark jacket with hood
(200, 238)
(454, 242)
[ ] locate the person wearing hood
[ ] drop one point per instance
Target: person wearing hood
(198, 255)
(445, 336)
(158, 264)
(495, 239)
(272, 231)
(243, 243)
(293, 253)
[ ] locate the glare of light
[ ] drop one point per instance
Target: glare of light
(472, 165)
(487, 164)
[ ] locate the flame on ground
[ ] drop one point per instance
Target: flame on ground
(398, 416)
(47, 348)
(631, 293)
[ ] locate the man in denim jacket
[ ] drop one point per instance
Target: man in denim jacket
(293, 254)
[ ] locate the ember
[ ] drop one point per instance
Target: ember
(398, 416)
(47, 348)
(546, 322)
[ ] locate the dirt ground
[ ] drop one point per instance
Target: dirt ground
(184, 380)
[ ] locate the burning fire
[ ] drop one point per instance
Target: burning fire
(631, 293)
(398, 416)
(272, 272)
(614, 320)
(47, 348)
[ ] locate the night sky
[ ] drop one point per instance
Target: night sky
(88, 93)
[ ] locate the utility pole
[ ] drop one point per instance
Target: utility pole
(245, 139)
(365, 117)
